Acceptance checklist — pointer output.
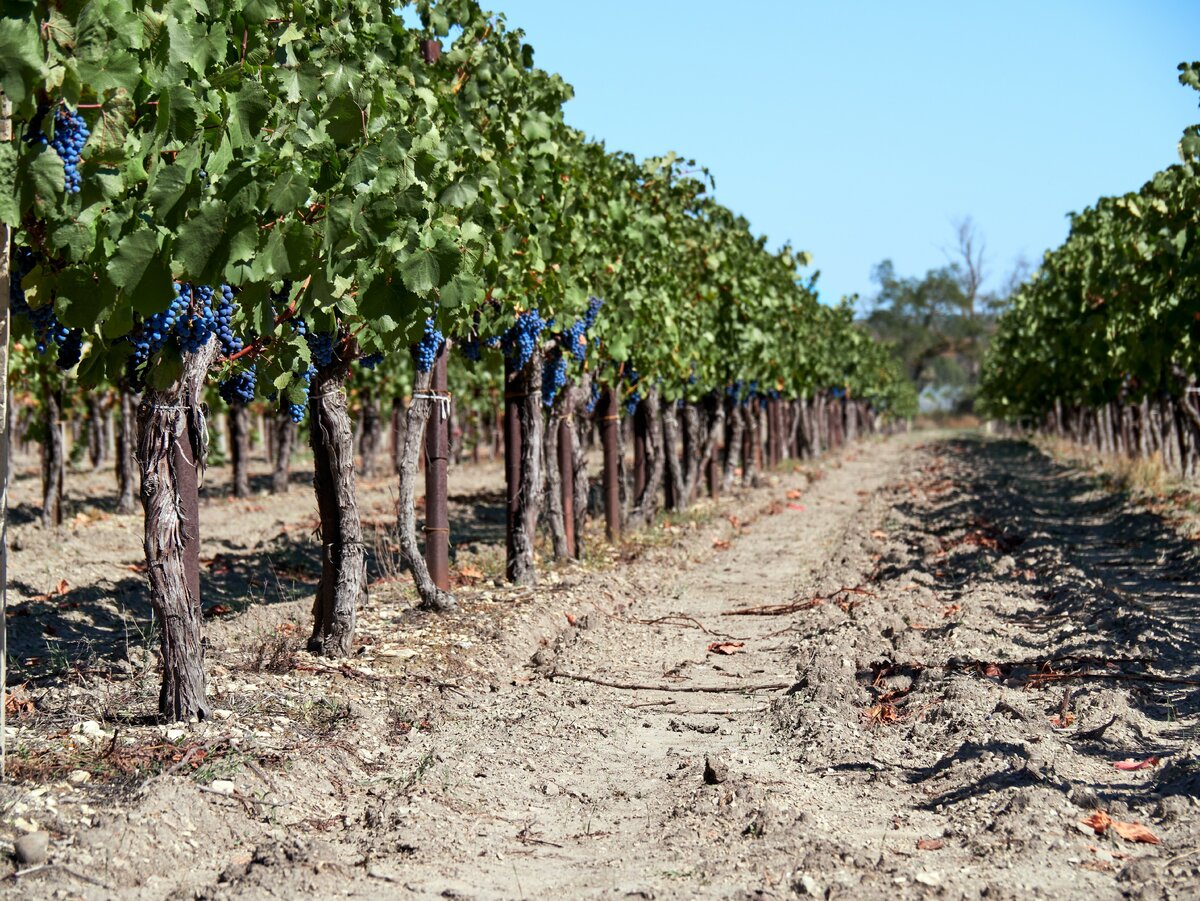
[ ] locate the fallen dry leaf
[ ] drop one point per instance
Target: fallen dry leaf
(218, 610)
(470, 572)
(950, 610)
(795, 494)
(879, 534)
(1134, 832)
(720, 544)
(1061, 720)
(930, 844)
(727, 648)
(993, 671)
(17, 702)
(734, 521)
(57, 591)
(1130, 764)
(570, 619)
(795, 506)
(1100, 822)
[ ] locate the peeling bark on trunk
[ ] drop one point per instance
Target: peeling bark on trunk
(524, 393)
(646, 504)
(676, 489)
(579, 480)
(172, 447)
(397, 433)
(610, 437)
(734, 426)
(371, 434)
(239, 449)
(52, 459)
(432, 597)
(556, 521)
(751, 445)
(126, 446)
(97, 446)
(343, 584)
(285, 440)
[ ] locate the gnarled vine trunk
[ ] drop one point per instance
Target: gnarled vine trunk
(677, 493)
(239, 448)
(556, 517)
(734, 426)
(126, 447)
(172, 448)
(53, 458)
(343, 584)
(524, 424)
(432, 597)
(646, 503)
(285, 440)
(97, 438)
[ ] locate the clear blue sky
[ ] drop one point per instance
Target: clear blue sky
(861, 130)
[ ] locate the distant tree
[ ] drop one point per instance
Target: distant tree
(939, 323)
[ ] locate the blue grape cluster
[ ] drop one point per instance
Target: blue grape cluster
(520, 341)
(226, 307)
(635, 396)
(192, 320)
(554, 376)
(472, 349)
(70, 349)
(429, 345)
(47, 330)
(296, 411)
(370, 361)
(321, 347)
(575, 337)
(239, 388)
(631, 402)
(70, 134)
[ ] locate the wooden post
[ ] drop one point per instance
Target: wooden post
(641, 428)
(609, 423)
(437, 451)
(5, 241)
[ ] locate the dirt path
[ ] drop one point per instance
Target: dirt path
(970, 637)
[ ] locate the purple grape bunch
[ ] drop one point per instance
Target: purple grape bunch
(427, 348)
(554, 376)
(238, 389)
(47, 330)
(70, 134)
(520, 341)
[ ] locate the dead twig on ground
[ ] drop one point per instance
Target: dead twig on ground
(58, 866)
(796, 606)
(685, 622)
(633, 686)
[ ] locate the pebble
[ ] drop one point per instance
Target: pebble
(222, 786)
(32, 849)
(78, 777)
(928, 877)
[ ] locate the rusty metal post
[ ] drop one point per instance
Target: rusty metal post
(566, 468)
(609, 423)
